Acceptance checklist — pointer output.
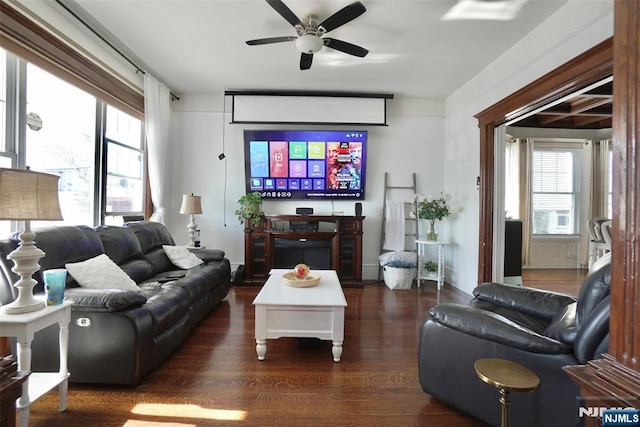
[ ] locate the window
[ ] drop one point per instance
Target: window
(555, 188)
(125, 187)
(5, 156)
(60, 139)
(96, 149)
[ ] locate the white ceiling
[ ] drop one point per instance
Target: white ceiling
(198, 46)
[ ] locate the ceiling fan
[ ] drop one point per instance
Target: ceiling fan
(310, 31)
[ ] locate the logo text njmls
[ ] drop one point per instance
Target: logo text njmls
(598, 411)
(627, 417)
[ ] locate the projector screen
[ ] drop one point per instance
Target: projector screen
(309, 109)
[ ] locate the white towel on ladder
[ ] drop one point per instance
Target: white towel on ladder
(394, 233)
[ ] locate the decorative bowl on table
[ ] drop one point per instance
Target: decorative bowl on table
(301, 277)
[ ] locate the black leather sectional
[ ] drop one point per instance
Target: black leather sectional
(118, 336)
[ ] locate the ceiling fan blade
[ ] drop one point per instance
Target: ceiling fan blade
(285, 12)
(305, 60)
(344, 15)
(270, 40)
(345, 47)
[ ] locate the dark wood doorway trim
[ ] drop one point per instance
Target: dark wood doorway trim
(613, 381)
(625, 245)
(587, 68)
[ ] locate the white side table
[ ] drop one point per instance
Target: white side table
(23, 327)
(438, 276)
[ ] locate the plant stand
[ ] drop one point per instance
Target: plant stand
(423, 274)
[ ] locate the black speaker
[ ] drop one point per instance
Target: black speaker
(238, 275)
(304, 211)
(358, 209)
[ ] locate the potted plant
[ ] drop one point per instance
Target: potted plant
(250, 209)
(430, 266)
(432, 209)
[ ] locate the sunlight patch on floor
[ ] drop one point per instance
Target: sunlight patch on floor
(186, 411)
(140, 423)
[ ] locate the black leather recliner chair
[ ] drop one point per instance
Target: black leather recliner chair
(543, 331)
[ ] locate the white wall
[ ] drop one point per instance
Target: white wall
(576, 27)
(413, 142)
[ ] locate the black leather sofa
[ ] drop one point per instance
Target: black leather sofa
(117, 336)
(543, 331)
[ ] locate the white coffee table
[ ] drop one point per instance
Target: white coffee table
(285, 311)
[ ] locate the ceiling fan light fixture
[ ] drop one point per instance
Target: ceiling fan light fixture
(310, 31)
(309, 43)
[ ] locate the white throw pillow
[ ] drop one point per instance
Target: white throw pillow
(181, 257)
(101, 273)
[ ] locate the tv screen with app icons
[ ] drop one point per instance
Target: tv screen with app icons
(304, 164)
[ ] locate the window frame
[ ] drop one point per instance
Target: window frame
(15, 134)
(576, 148)
(143, 167)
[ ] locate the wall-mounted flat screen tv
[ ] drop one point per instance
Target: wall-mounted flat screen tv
(304, 164)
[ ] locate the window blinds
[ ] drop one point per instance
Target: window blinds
(555, 187)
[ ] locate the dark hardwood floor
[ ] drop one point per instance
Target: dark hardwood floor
(215, 379)
(565, 281)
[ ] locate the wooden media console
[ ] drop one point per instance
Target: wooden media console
(321, 241)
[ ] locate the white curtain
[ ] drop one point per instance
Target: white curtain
(512, 178)
(599, 179)
(526, 213)
(518, 203)
(156, 125)
(499, 203)
(599, 192)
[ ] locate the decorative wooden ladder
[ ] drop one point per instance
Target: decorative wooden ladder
(412, 230)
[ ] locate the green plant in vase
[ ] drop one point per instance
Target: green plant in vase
(250, 209)
(432, 209)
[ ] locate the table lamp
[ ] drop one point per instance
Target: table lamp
(191, 205)
(27, 196)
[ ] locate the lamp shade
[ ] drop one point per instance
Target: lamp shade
(28, 195)
(190, 205)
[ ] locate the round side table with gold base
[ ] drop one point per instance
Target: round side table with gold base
(506, 376)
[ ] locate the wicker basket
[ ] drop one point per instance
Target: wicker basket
(398, 278)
